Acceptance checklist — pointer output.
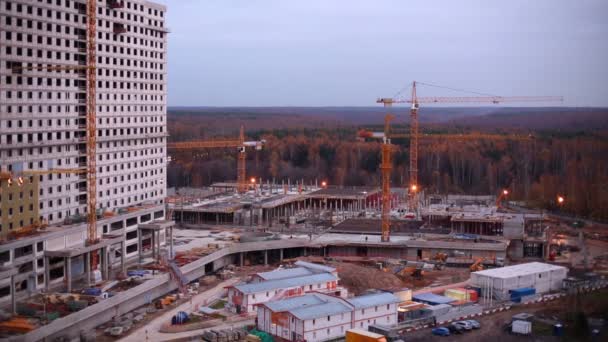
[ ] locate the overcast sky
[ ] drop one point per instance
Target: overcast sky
(347, 53)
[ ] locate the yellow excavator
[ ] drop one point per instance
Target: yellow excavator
(477, 265)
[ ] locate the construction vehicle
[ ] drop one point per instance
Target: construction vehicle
(415, 101)
(411, 271)
(240, 144)
(360, 335)
(477, 265)
(439, 259)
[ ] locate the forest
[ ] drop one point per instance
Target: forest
(566, 153)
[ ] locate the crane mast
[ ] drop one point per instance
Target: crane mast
(92, 128)
(386, 168)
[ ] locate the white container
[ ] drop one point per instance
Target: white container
(521, 327)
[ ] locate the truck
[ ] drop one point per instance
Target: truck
(359, 335)
(521, 327)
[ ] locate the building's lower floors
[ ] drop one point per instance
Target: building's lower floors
(49, 259)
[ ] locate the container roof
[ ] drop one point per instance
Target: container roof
(286, 283)
(519, 270)
(313, 266)
(294, 302)
(321, 310)
(285, 273)
(373, 299)
(433, 298)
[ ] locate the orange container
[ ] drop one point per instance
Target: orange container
(473, 296)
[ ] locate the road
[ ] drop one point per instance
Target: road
(150, 332)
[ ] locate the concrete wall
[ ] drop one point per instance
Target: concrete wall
(381, 314)
(323, 329)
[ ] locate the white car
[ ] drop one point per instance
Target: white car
(474, 323)
(464, 324)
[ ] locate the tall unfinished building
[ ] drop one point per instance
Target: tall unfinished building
(43, 127)
(43, 112)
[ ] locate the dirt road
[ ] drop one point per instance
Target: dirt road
(150, 332)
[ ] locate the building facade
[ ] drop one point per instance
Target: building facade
(43, 126)
(284, 283)
(321, 317)
(43, 111)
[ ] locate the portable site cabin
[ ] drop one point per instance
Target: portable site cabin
(498, 282)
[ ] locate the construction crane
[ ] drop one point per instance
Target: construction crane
(364, 134)
(386, 167)
(415, 103)
(386, 164)
(240, 144)
(503, 194)
(91, 120)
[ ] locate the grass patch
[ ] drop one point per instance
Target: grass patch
(220, 304)
(542, 329)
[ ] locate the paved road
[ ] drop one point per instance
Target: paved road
(151, 329)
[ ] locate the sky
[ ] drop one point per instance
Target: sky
(349, 52)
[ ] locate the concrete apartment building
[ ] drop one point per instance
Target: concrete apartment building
(43, 122)
(321, 317)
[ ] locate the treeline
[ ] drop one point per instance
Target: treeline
(535, 171)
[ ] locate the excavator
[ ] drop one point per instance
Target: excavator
(412, 271)
(439, 260)
(477, 265)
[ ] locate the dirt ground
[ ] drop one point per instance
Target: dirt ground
(358, 278)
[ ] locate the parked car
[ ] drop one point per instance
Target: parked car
(442, 331)
(465, 325)
(475, 324)
(455, 329)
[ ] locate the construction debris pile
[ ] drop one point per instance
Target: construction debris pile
(226, 335)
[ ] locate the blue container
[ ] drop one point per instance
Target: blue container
(524, 291)
(93, 291)
(558, 330)
(137, 273)
(180, 318)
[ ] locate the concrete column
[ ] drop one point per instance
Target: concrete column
(104, 258)
(171, 243)
(281, 255)
(241, 257)
(156, 243)
(87, 267)
(266, 257)
(47, 273)
(153, 245)
(68, 272)
(140, 245)
(123, 255)
(13, 293)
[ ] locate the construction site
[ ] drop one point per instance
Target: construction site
(91, 250)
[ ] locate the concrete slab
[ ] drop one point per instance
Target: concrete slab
(76, 251)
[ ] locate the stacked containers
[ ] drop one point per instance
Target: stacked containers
(462, 294)
(458, 294)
